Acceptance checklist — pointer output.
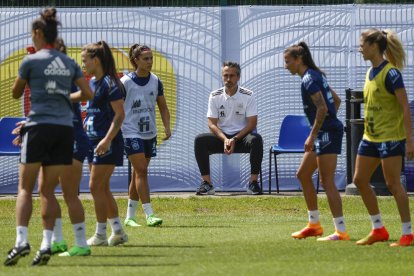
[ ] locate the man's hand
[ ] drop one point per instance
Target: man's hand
(229, 146)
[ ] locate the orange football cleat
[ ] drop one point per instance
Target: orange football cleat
(311, 230)
(376, 235)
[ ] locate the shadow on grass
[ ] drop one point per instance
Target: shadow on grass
(163, 246)
(125, 256)
(112, 265)
(197, 226)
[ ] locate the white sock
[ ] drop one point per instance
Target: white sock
(115, 224)
(406, 228)
(147, 209)
(132, 208)
(313, 216)
(57, 231)
(80, 234)
(47, 239)
(101, 228)
(339, 224)
(376, 221)
(21, 236)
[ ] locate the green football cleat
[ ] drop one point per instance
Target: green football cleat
(153, 220)
(131, 222)
(58, 247)
(76, 251)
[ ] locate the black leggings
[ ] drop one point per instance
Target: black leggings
(208, 143)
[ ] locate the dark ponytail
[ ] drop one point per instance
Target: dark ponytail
(48, 24)
(102, 51)
(302, 50)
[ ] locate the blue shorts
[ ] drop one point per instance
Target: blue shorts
(329, 142)
(114, 155)
(382, 150)
(81, 148)
(138, 145)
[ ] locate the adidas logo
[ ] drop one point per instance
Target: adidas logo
(57, 68)
(221, 107)
(79, 228)
(130, 205)
(377, 221)
(341, 222)
(136, 104)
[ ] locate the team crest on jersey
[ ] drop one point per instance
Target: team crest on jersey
(134, 144)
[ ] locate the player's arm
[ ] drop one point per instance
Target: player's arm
(165, 116)
(212, 125)
(321, 110)
(85, 92)
(402, 99)
(337, 100)
(118, 108)
(18, 87)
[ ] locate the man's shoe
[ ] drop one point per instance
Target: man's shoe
(119, 237)
(42, 257)
(59, 247)
(311, 230)
(205, 189)
(76, 251)
(131, 222)
(97, 240)
(337, 236)
(254, 188)
(16, 253)
(152, 220)
(376, 235)
(405, 240)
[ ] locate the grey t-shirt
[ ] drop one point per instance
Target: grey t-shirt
(49, 74)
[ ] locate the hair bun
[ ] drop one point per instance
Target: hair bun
(49, 14)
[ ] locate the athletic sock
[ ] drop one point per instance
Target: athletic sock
(406, 228)
(147, 209)
(21, 236)
(101, 228)
(47, 239)
(313, 216)
(57, 231)
(339, 224)
(132, 208)
(80, 234)
(115, 224)
(376, 221)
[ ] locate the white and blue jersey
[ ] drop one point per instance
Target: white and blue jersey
(313, 82)
(49, 74)
(99, 111)
(140, 102)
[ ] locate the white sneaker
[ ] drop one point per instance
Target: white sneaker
(97, 240)
(119, 237)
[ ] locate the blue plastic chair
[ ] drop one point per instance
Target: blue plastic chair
(7, 124)
(293, 133)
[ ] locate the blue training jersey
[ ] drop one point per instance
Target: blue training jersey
(313, 82)
(80, 135)
(99, 111)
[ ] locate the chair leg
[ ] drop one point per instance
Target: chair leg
(270, 170)
(277, 175)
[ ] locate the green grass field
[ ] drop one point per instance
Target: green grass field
(223, 236)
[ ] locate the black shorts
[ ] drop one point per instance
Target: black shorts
(48, 144)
